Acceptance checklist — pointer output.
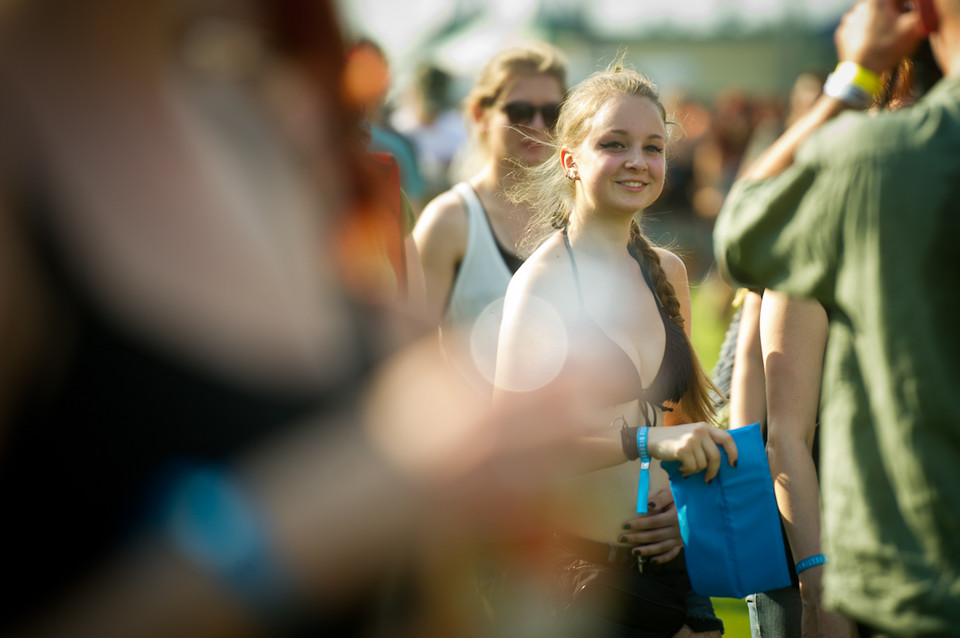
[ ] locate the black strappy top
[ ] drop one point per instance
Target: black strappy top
(673, 377)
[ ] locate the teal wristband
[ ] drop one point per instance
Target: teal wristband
(210, 518)
(643, 482)
(812, 561)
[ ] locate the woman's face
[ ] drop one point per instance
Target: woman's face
(515, 124)
(620, 163)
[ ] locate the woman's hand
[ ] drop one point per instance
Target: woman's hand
(656, 535)
(695, 445)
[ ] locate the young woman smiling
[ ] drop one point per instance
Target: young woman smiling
(597, 296)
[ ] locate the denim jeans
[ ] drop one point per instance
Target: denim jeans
(775, 613)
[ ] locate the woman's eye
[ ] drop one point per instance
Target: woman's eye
(611, 145)
(653, 148)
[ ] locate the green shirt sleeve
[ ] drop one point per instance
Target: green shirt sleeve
(788, 232)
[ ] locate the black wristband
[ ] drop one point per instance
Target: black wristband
(628, 439)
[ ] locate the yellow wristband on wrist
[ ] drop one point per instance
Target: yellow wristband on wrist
(853, 84)
(853, 73)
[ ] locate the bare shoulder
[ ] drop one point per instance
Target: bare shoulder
(673, 266)
(544, 270)
(444, 217)
(546, 276)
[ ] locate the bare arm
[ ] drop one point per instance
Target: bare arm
(875, 34)
(416, 283)
(747, 400)
(441, 239)
(794, 335)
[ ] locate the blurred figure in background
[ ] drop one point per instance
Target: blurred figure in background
(378, 246)
(427, 117)
(468, 236)
(372, 71)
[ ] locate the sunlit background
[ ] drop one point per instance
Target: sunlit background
(700, 46)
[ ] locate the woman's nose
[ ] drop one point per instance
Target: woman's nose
(635, 161)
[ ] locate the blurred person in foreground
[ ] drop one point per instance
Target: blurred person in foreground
(469, 236)
(204, 430)
(427, 115)
(596, 295)
(859, 213)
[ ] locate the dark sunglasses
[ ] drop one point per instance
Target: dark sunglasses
(523, 113)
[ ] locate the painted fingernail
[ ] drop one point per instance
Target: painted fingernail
(651, 505)
(626, 526)
(734, 464)
(622, 539)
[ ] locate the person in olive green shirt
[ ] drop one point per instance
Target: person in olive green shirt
(862, 212)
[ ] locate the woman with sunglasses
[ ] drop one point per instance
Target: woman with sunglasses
(468, 235)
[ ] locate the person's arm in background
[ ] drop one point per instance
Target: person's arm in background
(441, 238)
(416, 285)
(794, 335)
(747, 394)
(875, 34)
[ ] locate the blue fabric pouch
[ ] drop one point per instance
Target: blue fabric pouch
(731, 526)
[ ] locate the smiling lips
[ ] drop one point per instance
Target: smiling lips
(633, 184)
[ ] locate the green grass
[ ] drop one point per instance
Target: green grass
(733, 613)
(710, 315)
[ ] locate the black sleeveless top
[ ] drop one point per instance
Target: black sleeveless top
(673, 377)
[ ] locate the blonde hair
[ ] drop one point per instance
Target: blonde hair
(548, 191)
(530, 58)
(545, 188)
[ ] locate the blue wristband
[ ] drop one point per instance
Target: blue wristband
(812, 561)
(210, 519)
(643, 483)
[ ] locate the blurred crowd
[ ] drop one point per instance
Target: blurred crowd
(711, 139)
